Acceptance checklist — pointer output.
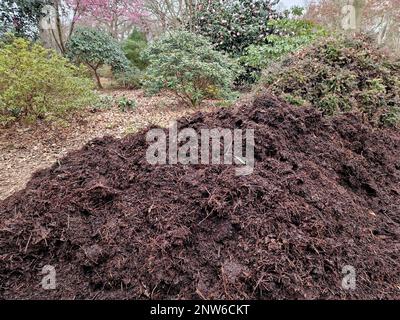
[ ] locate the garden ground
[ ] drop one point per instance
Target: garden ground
(25, 149)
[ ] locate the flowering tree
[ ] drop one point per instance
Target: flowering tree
(116, 16)
(233, 25)
(21, 16)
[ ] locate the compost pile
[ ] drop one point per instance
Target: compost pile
(324, 194)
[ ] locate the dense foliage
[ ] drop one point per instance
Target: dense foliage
(253, 31)
(96, 48)
(21, 17)
(339, 75)
(292, 35)
(234, 25)
(117, 17)
(187, 65)
(131, 78)
(36, 83)
(133, 48)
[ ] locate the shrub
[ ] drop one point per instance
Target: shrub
(104, 102)
(21, 17)
(234, 25)
(125, 104)
(253, 31)
(293, 34)
(96, 48)
(129, 79)
(187, 65)
(340, 75)
(133, 48)
(36, 83)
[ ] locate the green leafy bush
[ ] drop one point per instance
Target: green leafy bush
(340, 75)
(253, 31)
(36, 83)
(187, 65)
(104, 102)
(125, 104)
(293, 34)
(130, 78)
(234, 25)
(21, 17)
(133, 48)
(96, 48)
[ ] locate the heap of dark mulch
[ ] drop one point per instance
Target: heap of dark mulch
(325, 194)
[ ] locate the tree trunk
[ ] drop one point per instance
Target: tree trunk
(96, 75)
(97, 79)
(59, 27)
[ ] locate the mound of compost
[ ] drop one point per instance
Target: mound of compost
(324, 198)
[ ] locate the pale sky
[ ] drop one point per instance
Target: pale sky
(290, 3)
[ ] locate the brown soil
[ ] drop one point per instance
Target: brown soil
(325, 193)
(25, 149)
